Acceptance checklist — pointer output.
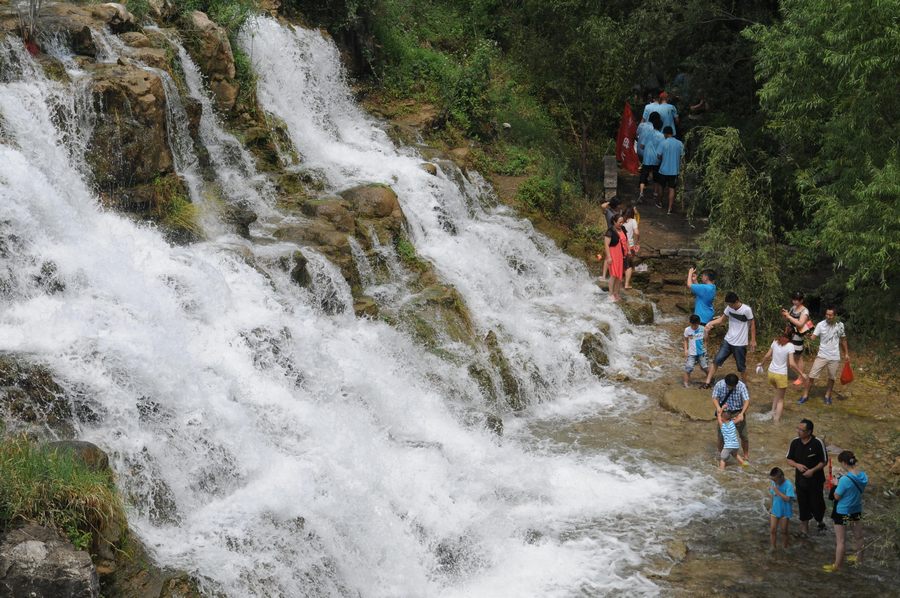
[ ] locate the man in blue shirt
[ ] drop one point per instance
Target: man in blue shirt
(730, 394)
(704, 293)
(670, 152)
(649, 109)
(648, 143)
(667, 111)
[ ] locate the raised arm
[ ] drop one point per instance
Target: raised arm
(690, 277)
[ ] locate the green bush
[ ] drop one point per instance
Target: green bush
(55, 490)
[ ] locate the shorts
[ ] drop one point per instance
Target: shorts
(741, 428)
(668, 180)
(693, 360)
(778, 380)
(646, 171)
(728, 452)
(740, 355)
(819, 364)
(841, 519)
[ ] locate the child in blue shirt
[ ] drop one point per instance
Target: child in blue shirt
(732, 445)
(783, 495)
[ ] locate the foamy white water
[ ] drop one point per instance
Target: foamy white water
(275, 450)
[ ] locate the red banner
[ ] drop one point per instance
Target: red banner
(626, 153)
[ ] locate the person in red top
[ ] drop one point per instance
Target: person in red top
(615, 243)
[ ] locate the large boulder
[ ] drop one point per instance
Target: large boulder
(692, 403)
(373, 201)
(637, 311)
(74, 23)
(509, 382)
(129, 144)
(36, 562)
(208, 44)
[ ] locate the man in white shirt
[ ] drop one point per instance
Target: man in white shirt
(740, 323)
(832, 339)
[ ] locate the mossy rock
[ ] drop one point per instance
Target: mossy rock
(637, 311)
(509, 382)
(30, 395)
(593, 347)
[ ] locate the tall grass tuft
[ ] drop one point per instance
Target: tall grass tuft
(56, 490)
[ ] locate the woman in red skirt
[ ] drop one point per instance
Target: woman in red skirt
(616, 244)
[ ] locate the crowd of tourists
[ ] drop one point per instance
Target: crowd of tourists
(661, 154)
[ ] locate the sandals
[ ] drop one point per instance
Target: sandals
(829, 568)
(802, 400)
(827, 400)
(800, 535)
(706, 386)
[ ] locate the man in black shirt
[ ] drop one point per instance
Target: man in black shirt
(808, 456)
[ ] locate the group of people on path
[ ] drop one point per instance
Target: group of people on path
(659, 150)
(807, 454)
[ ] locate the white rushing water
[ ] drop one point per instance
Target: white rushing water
(275, 450)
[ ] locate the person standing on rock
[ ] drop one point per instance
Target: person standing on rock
(615, 244)
(610, 211)
(633, 233)
(798, 318)
(781, 351)
(649, 144)
(694, 349)
(731, 395)
(670, 153)
(807, 455)
(704, 293)
(740, 322)
(832, 339)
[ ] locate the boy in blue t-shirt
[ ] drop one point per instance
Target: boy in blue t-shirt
(694, 349)
(783, 495)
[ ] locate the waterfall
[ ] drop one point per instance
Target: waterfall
(273, 447)
(234, 167)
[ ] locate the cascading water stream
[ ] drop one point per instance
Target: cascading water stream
(234, 166)
(273, 449)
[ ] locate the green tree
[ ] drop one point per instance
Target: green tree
(739, 241)
(830, 74)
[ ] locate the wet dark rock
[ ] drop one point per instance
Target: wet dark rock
(300, 271)
(509, 382)
(48, 279)
(241, 216)
(637, 311)
(494, 423)
(29, 394)
(35, 561)
(593, 347)
(365, 306)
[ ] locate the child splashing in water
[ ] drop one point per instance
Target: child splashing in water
(783, 495)
(732, 446)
